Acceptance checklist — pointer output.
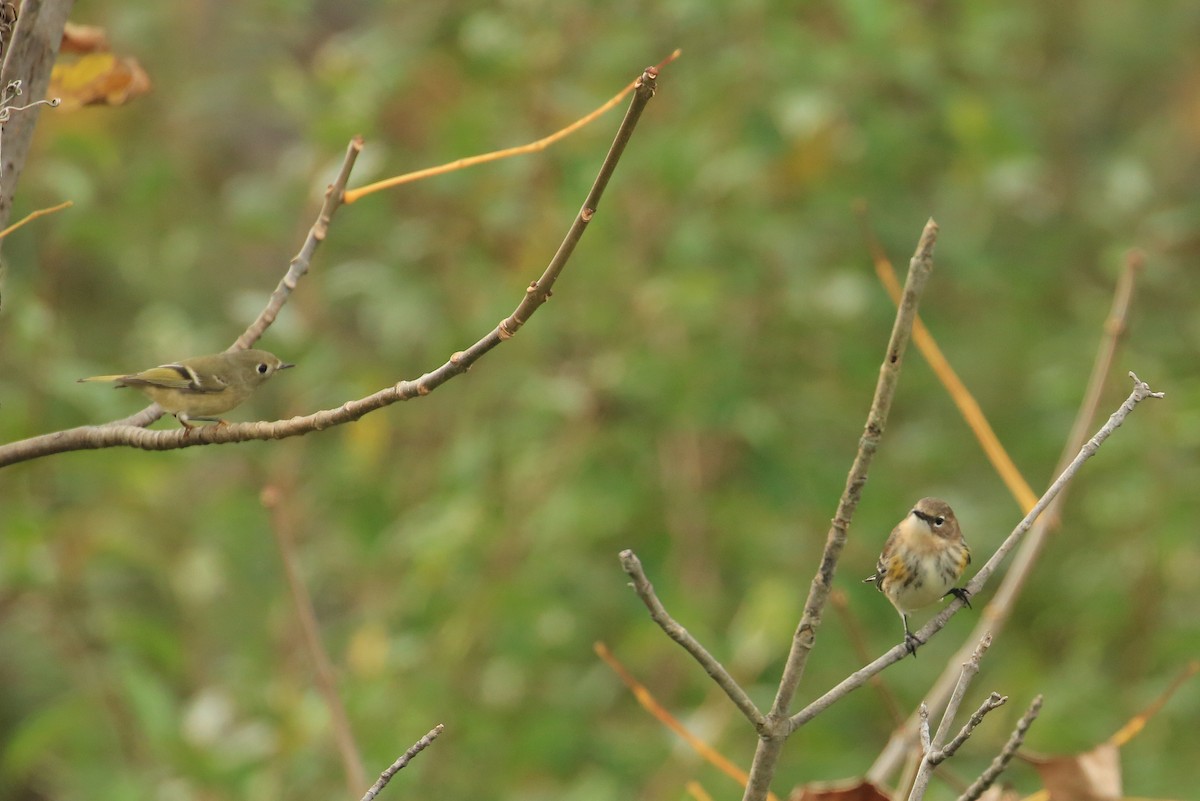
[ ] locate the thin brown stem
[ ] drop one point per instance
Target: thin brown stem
(859, 643)
(339, 721)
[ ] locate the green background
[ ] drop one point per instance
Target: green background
(694, 391)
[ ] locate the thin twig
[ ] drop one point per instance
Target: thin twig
(993, 771)
(299, 265)
(968, 407)
(297, 268)
(339, 721)
(855, 680)
(995, 614)
(933, 748)
(1138, 721)
(33, 215)
(770, 743)
(129, 433)
(352, 195)
(658, 613)
(399, 764)
(991, 702)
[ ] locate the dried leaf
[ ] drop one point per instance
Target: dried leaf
(98, 78)
(1090, 776)
(849, 790)
(83, 39)
(998, 793)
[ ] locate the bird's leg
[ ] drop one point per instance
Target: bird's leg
(910, 640)
(961, 594)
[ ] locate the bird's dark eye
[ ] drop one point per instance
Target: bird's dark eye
(262, 368)
(937, 521)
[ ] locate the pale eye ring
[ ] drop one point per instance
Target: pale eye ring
(939, 520)
(262, 368)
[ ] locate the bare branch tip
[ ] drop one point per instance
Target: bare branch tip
(1143, 388)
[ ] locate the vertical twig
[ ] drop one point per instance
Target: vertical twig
(933, 748)
(770, 743)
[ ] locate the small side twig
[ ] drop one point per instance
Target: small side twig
(991, 702)
(934, 752)
(993, 771)
(399, 764)
(659, 614)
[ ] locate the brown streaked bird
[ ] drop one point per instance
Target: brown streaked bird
(922, 559)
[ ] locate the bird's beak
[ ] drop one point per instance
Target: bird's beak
(284, 366)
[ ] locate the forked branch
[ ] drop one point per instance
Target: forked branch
(130, 433)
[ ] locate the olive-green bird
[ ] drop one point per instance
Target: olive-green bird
(203, 386)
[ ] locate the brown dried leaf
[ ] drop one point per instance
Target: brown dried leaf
(98, 78)
(83, 39)
(1090, 776)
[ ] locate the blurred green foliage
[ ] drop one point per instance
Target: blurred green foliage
(694, 391)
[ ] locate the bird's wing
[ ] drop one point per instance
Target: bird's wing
(174, 376)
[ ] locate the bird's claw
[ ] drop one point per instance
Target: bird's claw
(911, 642)
(961, 594)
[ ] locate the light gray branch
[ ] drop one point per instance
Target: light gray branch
(405, 758)
(659, 614)
(991, 702)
